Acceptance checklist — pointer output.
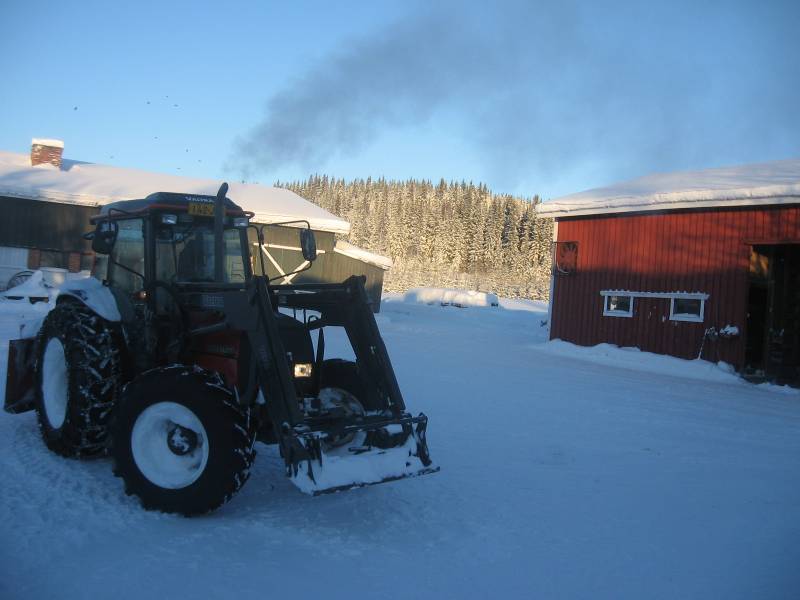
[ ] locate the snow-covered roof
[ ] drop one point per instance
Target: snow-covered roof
(91, 184)
(347, 249)
(759, 184)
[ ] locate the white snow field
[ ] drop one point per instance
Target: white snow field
(566, 473)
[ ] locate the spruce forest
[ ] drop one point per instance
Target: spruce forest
(445, 235)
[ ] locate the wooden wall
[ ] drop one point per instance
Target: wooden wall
(44, 225)
(673, 251)
(330, 267)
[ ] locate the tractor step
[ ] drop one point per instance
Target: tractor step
(377, 457)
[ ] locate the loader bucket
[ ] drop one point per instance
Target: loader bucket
(383, 450)
(20, 394)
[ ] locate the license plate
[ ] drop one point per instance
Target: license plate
(201, 209)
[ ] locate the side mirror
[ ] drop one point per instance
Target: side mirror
(308, 243)
(104, 236)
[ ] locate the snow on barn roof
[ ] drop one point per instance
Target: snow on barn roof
(761, 184)
(91, 184)
(347, 249)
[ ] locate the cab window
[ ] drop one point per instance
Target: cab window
(185, 254)
(126, 268)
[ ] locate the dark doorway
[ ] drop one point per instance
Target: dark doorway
(772, 346)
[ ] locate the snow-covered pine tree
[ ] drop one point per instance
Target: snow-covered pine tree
(454, 233)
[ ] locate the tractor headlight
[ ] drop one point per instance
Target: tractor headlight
(241, 221)
(169, 219)
(302, 370)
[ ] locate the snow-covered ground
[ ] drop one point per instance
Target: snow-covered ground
(566, 473)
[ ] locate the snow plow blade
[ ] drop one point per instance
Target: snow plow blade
(382, 450)
(20, 394)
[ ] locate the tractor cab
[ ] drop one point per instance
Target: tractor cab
(157, 252)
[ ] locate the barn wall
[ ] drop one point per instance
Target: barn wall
(50, 234)
(339, 267)
(330, 267)
(693, 251)
(44, 225)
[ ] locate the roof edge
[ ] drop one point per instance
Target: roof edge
(562, 211)
(351, 251)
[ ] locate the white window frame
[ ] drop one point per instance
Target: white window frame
(607, 312)
(671, 296)
(687, 317)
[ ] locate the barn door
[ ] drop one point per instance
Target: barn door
(773, 320)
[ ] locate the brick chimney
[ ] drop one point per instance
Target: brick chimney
(46, 152)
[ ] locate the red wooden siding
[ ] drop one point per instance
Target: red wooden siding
(690, 251)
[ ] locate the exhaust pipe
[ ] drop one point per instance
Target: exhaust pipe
(219, 229)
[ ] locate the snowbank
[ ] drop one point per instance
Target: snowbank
(635, 359)
(450, 297)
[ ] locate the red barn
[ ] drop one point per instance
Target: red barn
(695, 264)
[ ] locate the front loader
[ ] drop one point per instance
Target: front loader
(187, 354)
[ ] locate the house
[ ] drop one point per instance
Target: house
(691, 264)
(47, 202)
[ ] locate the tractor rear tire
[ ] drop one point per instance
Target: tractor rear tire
(180, 441)
(77, 376)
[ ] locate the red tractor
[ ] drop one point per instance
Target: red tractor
(184, 357)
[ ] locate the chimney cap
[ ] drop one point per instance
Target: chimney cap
(47, 142)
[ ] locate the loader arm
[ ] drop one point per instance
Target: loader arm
(392, 443)
(347, 305)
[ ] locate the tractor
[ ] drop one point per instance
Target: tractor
(186, 354)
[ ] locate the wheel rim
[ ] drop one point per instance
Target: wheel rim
(332, 397)
(158, 432)
(55, 383)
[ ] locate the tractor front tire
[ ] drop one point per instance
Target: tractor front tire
(342, 374)
(77, 375)
(180, 441)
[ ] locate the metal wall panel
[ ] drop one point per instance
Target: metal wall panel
(674, 251)
(44, 225)
(330, 266)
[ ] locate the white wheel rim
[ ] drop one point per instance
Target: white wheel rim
(331, 397)
(152, 454)
(55, 383)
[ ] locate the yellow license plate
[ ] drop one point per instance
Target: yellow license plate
(201, 209)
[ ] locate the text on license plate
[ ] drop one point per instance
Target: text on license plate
(201, 209)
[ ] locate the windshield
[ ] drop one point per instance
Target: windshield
(185, 253)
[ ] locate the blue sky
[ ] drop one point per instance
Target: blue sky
(532, 98)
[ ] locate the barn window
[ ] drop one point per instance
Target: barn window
(618, 306)
(687, 309)
(683, 306)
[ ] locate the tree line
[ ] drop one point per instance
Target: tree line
(451, 234)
